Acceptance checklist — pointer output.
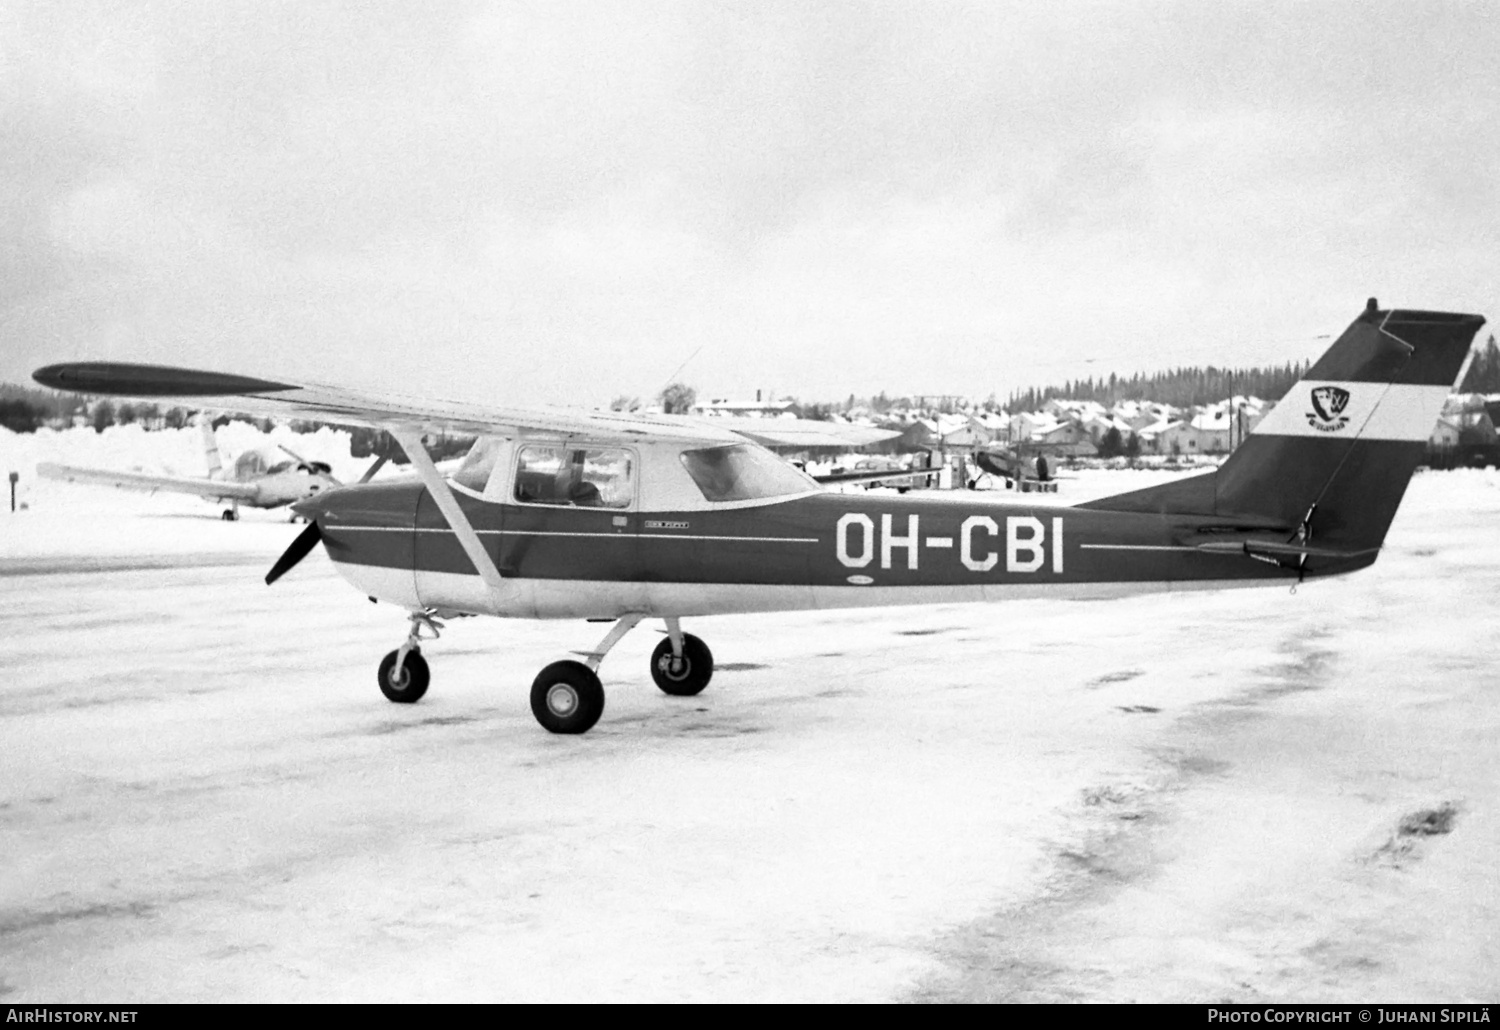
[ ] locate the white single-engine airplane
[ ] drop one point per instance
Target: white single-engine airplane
(612, 517)
(258, 479)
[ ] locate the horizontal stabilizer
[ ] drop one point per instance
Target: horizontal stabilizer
(1277, 549)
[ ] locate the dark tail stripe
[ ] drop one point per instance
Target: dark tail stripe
(1418, 348)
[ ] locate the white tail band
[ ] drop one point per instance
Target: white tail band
(1345, 410)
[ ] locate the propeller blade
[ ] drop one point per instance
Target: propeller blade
(300, 459)
(305, 542)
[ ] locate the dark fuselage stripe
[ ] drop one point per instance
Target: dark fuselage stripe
(621, 534)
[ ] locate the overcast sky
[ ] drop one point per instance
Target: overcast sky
(562, 203)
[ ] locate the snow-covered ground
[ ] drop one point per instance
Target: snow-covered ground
(1193, 797)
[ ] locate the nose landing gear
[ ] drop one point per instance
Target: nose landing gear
(403, 673)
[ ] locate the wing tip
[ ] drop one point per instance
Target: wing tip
(108, 377)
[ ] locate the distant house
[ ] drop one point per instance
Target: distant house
(1098, 427)
(1205, 433)
(1028, 425)
(920, 435)
(1445, 435)
(996, 423)
(1154, 438)
(962, 431)
(1066, 438)
(1212, 430)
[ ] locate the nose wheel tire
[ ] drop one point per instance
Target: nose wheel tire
(685, 676)
(410, 684)
(566, 697)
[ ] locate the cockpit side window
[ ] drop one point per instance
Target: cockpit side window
(742, 472)
(575, 477)
(250, 463)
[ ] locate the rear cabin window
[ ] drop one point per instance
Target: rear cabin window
(741, 472)
(575, 476)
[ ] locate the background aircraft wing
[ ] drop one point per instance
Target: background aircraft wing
(803, 432)
(211, 488)
(350, 407)
(903, 475)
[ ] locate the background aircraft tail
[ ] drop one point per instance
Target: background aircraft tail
(210, 446)
(1331, 461)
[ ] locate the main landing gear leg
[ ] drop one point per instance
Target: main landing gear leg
(403, 673)
(566, 696)
(682, 664)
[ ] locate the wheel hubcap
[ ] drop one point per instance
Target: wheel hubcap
(676, 668)
(561, 699)
(399, 678)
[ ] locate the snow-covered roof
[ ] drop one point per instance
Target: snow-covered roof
(1161, 425)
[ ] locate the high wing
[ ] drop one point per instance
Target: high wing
(215, 489)
(350, 407)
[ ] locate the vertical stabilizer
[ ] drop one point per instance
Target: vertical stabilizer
(1333, 458)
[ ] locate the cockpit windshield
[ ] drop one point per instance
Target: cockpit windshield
(743, 472)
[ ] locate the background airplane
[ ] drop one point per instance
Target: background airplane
(1012, 464)
(610, 517)
(259, 478)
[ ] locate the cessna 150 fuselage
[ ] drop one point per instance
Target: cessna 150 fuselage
(604, 517)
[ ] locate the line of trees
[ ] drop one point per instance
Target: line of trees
(1180, 387)
(24, 409)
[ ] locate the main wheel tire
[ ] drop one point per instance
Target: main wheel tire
(411, 684)
(567, 697)
(685, 676)
(229, 515)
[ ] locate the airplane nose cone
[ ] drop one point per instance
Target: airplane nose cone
(379, 505)
(310, 507)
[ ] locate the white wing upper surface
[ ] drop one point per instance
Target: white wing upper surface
(351, 407)
(212, 488)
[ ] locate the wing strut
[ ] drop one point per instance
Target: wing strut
(411, 442)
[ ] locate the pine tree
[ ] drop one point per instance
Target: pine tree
(1484, 372)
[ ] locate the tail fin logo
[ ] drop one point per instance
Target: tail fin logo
(1328, 404)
